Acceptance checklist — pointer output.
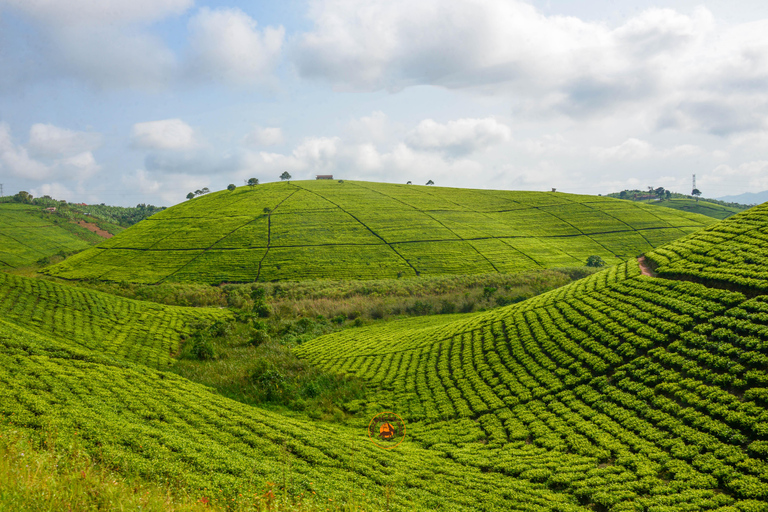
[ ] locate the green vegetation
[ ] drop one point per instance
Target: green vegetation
(359, 230)
(729, 254)
(621, 390)
(709, 207)
(137, 331)
(617, 392)
(29, 235)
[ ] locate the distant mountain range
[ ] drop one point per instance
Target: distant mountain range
(747, 198)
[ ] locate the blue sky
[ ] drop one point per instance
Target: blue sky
(142, 101)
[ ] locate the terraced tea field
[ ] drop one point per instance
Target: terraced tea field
(624, 391)
(26, 236)
(360, 230)
(617, 392)
(141, 332)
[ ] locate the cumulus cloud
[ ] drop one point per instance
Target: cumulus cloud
(15, 158)
(172, 134)
(459, 137)
(48, 140)
(686, 70)
(332, 155)
(226, 46)
(726, 179)
(270, 136)
(61, 151)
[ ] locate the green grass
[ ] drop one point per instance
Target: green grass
(360, 230)
(639, 393)
(28, 235)
(616, 392)
(703, 207)
(138, 331)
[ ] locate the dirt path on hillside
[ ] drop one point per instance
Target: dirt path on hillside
(96, 229)
(645, 267)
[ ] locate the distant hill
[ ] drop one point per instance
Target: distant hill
(702, 206)
(748, 198)
(30, 234)
(359, 230)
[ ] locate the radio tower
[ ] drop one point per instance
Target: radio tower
(694, 184)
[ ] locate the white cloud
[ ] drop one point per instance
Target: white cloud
(173, 134)
(725, 179)
(57, 145)
(48, 140)
(77, 12)
(630, 149)
(270, 136)
(374, 128)
(226, 46)
(15, 158)
(685, 70)
(54, 190)
(459, 137)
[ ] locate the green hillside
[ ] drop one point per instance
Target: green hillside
(703, 207)
(360, 230)
(617, 392)
(161, 427)
(142, 332)
(625, 391)
(28, 235)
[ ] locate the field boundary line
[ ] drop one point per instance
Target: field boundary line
(366, 227)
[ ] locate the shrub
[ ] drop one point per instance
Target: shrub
(595, 261)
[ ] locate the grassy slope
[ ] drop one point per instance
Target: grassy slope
(137, 331)
(360, 230)
(163, 428)
(625, 391)
(29, 234)
(714, 210)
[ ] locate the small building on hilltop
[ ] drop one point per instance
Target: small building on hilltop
(324, 176)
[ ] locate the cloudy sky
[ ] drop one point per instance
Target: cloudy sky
(142, 101)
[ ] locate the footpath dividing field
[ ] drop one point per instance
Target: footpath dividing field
(360, 230)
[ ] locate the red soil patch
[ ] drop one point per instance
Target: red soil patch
(96, 229)
(645, 267)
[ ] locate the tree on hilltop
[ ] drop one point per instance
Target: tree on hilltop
(252, 182)
(285, 176)
(190, 195)
(231, 187)
(23, 197)
(696, 192)
(430, 182)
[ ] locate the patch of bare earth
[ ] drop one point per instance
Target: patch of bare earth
(645, 267)
(90, 226)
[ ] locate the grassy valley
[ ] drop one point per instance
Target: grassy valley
(543, 389)
(358, 230)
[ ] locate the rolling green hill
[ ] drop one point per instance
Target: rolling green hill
(625, 391)
(703, 207)
(28, 235)
(142, 332)
(358, 230)
(617, 392)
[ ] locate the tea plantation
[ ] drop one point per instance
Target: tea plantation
(142, 332)
(618, 392)
(360, 230)
(27, 236)
(624, 391)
